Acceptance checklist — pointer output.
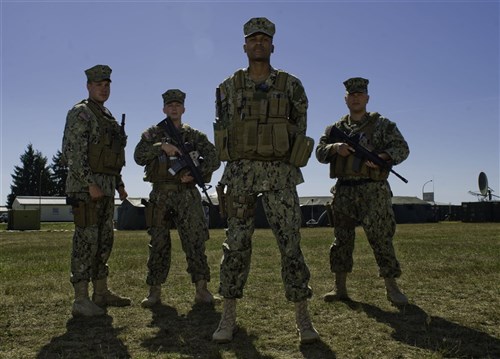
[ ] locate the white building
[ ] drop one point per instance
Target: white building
(53, 209)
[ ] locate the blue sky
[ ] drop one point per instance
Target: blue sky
(433, 69)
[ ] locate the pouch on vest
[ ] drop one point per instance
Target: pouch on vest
(156, 216)
(265, 140)
(157, 169)
(280, 139)
(301, 150)
(251, 138)
(221, 142)
(84, 214)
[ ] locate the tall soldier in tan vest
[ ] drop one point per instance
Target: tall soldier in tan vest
(260, 132)
(94, 151)
(362, 194)
(174, 199)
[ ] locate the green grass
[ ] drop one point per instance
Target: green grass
(451, 273)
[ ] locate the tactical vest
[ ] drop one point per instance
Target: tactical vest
(107, 156)
(352, 166)
(259, 127)
(157, 171)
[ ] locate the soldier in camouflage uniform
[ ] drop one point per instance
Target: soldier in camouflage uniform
(362, 194)
(260, 132)
(94, 150)
(175, 199)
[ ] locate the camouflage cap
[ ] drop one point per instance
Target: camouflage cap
(98, 73)
(173, 95)
(259, 24)
(356, 84)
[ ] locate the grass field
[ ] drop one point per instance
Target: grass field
(451, 273)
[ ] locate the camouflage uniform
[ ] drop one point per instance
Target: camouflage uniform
(92, 242)
(276, 181)
(360, 199)
(178, 203)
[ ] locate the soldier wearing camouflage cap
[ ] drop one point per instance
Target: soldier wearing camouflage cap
(98, 73)
(174, 199)
(254, 106)
(362, 193)
(94, 150)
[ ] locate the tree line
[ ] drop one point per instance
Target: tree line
(35, 177)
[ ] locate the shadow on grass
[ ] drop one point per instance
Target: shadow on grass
(317, 350)
(413, 326)
(191, 335)
(93, 337)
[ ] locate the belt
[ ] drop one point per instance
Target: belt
(168, 187)
(354, 182)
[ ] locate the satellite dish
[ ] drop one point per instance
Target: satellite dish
(483, 183)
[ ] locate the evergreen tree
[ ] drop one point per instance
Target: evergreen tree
(32, 178)
(59, 174)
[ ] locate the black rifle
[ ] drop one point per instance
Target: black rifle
(361, 151)
(170, 128)
(123, 125)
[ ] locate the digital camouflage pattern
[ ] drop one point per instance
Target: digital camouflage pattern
(182, 206)
(276, 181)
(371, 205)
(368, 204)
(91, 244)
(173, 95)
(98, 73)
(80, 131)
(356, 84)
(149, 148)
(258, 176)
(185, 210)
(283, 213)
(259, 25)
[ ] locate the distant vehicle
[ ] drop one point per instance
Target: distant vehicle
(4, 217)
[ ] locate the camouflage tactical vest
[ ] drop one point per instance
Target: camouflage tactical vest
(159, 169)
(260, 128)
(352, 166)
(107, 156)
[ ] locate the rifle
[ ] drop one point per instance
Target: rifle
(185, 157)
(122, 127)
(218, 105)
(361, 151)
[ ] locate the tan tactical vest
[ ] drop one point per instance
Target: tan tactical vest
(260, 128)
(352, 166)
(157, 171)
(108, 154)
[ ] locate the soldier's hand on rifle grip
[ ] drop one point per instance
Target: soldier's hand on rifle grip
(187, 178)
(343, 149)
(383, 156)
(170, 149)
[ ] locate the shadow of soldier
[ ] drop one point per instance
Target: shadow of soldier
(87, 337)
(182, 334)
(191, 334)
(317, 350)
(413, 326)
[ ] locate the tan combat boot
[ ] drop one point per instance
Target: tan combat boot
(339, 292)
(83, 306)
(227, 325)
(153, 298)
(394, 295)
(203, 295)
(104, 297)
(307, 332)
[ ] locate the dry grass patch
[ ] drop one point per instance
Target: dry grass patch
(451, 272)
